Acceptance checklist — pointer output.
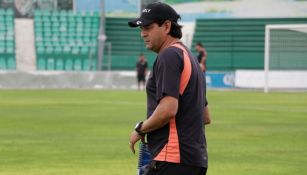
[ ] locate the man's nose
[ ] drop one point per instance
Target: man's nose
(143, 34)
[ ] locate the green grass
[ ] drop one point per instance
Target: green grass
(77, 132)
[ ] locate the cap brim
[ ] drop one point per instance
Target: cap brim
(140, 22)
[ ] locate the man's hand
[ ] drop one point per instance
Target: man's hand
(135, 137)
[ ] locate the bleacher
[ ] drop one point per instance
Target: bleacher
(66, 40)
(7, 42)
(236, 43)
(127, 44)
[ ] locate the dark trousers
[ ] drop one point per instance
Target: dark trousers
(167, 168)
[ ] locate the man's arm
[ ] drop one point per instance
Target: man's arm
(146, 69)
(205, 54)
(207, 118)
(145, 72)
(165, 111)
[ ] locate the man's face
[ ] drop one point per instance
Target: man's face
(153, 36)
(142, 58)
(197, 48)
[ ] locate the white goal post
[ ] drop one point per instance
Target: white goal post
(285, 44)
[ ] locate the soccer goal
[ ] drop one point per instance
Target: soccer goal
(285, 58)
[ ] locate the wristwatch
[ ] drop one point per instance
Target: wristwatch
(138, 127)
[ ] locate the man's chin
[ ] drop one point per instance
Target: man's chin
(148, 47)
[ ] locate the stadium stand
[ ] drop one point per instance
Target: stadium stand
(66, 40)
(236, 43)
(7, 42)
(126, 44)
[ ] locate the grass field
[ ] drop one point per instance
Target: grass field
(85, 132)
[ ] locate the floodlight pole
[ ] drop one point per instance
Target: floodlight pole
(140, 7)
(74, 5)
(266, 59)
(102, 37)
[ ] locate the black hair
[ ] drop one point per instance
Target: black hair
(199, 44)
(175, 30)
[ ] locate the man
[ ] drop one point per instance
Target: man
(141, 71)
(202, 60)
(175, 98)
(202, 56)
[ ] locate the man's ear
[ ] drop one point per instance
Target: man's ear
(167, 25)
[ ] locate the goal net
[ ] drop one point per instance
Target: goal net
(285, 63)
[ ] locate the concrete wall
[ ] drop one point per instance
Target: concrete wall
(74, 80)
(277, 79)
